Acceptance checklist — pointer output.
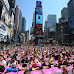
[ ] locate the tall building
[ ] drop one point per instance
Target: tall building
(37, 23)
(11, 3)
(20, 22)
(71, 19)
(51, 23)
(27, 36)
(64, 12)
(18, 18)
(50, 28)
(33, 21)
(38, 18)
(23, 28)
(64, 15)
(62, 28)
(5, 34)
(12, 15)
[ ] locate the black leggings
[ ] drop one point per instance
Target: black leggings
(45, 65)
(2, 68)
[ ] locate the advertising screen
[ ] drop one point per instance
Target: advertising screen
(38, 4)
(38, 19)
(39, 10)
(38, 29)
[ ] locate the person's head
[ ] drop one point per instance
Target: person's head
(61, 59)
(24, 57)
(13, 58)
(50, 55)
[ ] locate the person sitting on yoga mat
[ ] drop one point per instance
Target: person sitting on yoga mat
(24, 64)
(43, 61)
(13, 65)
(2, 64)
(51, 59)
(34, 63)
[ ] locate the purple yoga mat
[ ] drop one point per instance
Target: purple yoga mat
(19, 66)
(11, 73)
(56, 62)
(56, 70)
(21, 72)
(8, 59)
(30, 65)
(36, 72)
(18, 58)
(47, 63)
(70, 67)
(39, 65)
(72, 58)
(47, 71)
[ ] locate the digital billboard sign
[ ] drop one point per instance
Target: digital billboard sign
(38, 19)
(38, 29)
(38, 4)
(39, 10)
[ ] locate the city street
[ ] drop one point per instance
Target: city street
(36, 37)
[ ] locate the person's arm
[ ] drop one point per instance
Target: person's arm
(16, 63)
(26, 63)
(3, 64)
(53, 60)
(32, 63)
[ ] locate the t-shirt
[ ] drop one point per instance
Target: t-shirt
(3, 62)
(26, 61)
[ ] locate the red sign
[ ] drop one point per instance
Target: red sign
(38, 29)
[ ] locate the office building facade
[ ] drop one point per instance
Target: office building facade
(71, 19)
(62, 28)
(50, 28)
(5, 34)
(64, 15)
(23, 27)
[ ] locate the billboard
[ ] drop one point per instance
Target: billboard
(38, 29)
(39, 10)
(38, 19)
(38, 4)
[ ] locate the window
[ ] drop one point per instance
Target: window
(3, 27)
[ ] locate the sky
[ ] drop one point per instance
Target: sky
(49, 7)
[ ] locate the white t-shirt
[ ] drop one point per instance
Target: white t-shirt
(3, 62)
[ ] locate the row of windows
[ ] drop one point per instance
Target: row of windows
(3, 27)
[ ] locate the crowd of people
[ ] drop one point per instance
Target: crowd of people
(35, 58)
